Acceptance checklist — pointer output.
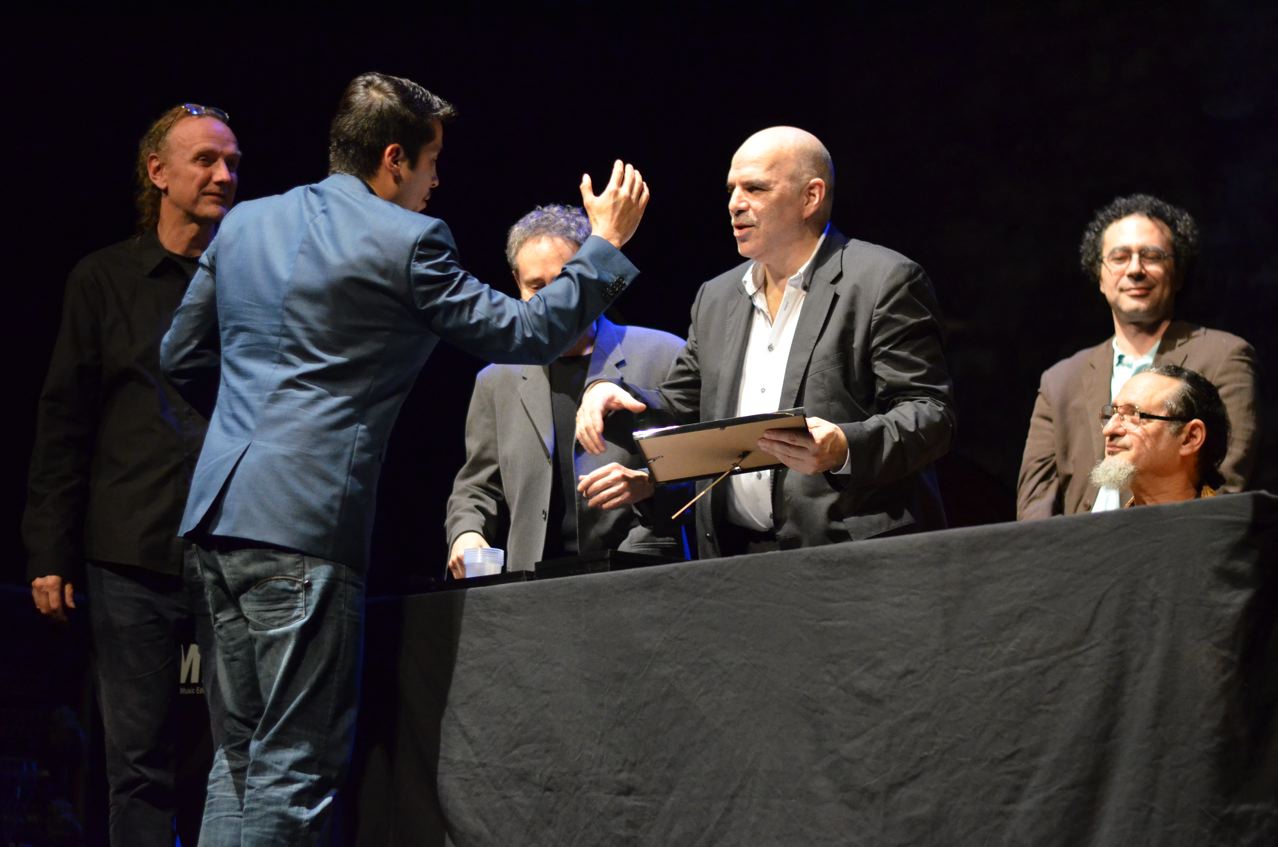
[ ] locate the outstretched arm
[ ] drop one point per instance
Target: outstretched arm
(498, 328)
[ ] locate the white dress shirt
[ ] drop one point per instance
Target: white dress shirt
(1125, 367)
(763, 371)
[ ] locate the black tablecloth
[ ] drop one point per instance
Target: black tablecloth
(1101, 679)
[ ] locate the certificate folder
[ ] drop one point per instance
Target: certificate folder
(708, 449)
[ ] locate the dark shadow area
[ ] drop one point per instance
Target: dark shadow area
(52, 778)
(1249, 729)
(408, 668)
(52, 787)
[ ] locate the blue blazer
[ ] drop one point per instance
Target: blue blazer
(309, 319)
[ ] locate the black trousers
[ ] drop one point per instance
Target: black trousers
(142, 625)
(737, 541)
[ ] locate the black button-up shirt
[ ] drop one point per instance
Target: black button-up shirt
(567, 376)
(115, 445)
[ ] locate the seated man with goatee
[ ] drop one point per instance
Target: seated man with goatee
(1165, 436)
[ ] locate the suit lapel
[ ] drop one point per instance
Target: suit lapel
(1171, 347)
(607, 359)
(534, 393)
(738, 316)
(826, 273)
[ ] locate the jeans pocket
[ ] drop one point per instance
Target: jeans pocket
(275, 602)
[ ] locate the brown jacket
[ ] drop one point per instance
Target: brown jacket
(1065, 440)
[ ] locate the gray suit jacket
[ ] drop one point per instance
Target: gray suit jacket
(309, 319)
(866, 356)
(510, 454)
(1065, 440)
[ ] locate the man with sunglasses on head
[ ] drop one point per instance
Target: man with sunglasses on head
(1139, 250)
(1165, 437)
(114, 450)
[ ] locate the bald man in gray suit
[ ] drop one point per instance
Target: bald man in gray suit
(844, 328)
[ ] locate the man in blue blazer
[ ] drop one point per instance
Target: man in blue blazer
(308, 321)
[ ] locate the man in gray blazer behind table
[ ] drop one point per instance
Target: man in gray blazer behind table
(309, 319)
(522, 464)
(846, 329)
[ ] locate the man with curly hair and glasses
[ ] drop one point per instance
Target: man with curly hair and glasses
(1139, 250)
(114, 450)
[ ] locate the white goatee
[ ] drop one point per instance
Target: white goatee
(1113, 472)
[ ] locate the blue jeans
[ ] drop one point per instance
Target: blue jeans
(139, 622)
(289, 630)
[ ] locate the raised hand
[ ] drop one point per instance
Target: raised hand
(616, 211)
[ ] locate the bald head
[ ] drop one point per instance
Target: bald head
(779, 198)
(801, 152)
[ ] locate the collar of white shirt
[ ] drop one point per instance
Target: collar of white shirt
(753, 279)
(1126, 366)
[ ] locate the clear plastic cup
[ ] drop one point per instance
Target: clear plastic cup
(483, 561)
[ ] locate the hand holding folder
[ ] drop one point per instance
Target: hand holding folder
(709, 448)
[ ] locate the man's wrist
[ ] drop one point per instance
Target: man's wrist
(462, 534)
(611, 237)
(845, 468)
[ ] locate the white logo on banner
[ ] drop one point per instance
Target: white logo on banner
(189, 675)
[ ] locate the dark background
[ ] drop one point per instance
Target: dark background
(977, 142)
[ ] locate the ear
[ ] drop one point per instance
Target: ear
(393, 160)
(1192, 437)
(813, 196)
(155, 170)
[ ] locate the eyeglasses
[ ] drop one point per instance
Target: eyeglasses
(198, 111)
(1150, 257)
(1133, 416)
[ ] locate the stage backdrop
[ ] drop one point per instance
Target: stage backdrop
(977, 140)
